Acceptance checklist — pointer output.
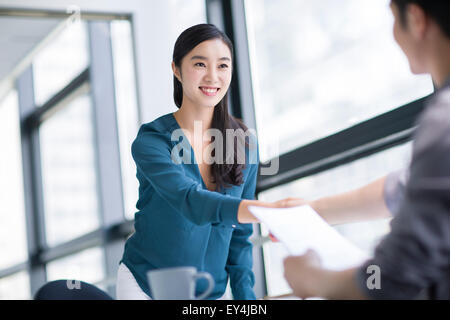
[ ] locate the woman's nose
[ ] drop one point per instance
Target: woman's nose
(211, 75)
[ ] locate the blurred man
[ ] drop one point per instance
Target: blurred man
(414, 258)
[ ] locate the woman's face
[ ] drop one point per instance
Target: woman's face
(205, 73)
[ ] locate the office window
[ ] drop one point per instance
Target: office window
(15, 287)
(12, 212)
(87, 265)
(186, 13)
(68, 170)
(340, 179)
(127, 109)
(64, 57)
(319, 67)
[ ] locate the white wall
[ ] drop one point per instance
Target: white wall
(156, 27)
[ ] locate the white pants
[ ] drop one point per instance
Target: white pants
(126, 287)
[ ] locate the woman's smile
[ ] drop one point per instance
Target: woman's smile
(209, 91)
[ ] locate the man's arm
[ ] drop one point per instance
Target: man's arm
(365, 203)
(414, 255)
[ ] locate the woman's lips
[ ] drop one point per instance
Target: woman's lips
(209, 91)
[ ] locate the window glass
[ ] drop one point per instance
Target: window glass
(64, 57)
(341, 179)
(127, 109)
(319, 67)
(186, 13)
(12, 211)
(87, 265)
(69, 171)
(15, 287)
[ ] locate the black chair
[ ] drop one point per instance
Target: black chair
(70, 290)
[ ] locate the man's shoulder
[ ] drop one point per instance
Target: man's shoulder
(439, 103)
(434, 123)
(437, 109)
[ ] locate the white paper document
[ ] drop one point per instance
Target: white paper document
(301, 228)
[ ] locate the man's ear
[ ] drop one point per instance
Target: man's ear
(417, 21)
(176, 71)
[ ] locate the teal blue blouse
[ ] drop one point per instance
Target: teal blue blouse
(180, 222)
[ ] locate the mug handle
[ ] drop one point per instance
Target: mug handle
(208, 277)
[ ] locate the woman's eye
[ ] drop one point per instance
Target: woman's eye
(199, 64)
(223, 66)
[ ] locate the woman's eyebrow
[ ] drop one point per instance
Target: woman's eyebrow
(205, 58)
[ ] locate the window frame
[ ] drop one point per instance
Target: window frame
(370, 136)
(373, 135)
(114, 227)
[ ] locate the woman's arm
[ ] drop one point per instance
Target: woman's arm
(365, 203)
(152, 153)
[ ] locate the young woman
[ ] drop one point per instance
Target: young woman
(191, 209)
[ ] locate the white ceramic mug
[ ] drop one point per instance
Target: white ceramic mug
(177, 283)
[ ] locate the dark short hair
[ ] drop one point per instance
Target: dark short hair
(438, 10)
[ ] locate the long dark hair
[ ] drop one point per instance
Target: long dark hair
(225, 174)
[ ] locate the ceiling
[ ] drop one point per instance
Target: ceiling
(18, 37)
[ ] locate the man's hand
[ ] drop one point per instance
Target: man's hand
(245, 216)
(307, 278)
(303, 274)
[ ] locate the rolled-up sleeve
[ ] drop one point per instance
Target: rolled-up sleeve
(394, 189)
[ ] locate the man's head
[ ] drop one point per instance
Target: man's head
(420, 27)
(438, 10)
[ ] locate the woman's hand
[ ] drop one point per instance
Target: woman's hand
(245, 216)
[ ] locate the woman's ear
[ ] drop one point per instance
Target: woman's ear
(176, 71)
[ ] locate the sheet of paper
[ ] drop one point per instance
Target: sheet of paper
(301, 228)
